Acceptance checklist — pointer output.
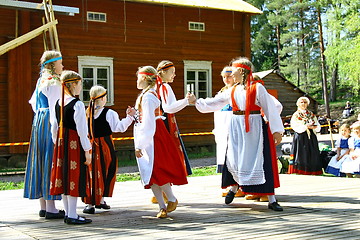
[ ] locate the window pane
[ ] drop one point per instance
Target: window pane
(87, 84)
(86, 96)
(202, 86)
(202, 94)
(88, 73)
(103, 83)
(102, 73)
(202, 75)
(190, 75)
(190, 87)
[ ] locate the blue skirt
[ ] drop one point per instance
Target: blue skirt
(39, 158)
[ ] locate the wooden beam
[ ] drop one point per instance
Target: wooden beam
(22, 5)
(26, 37)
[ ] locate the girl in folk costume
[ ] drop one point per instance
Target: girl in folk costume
(351, 164)
(222, 120)
(251, 155)
(70, 175)
(38, 166)
(305, 150)
(103, 122)
(342, 148)
(159, 164)
(170, 106)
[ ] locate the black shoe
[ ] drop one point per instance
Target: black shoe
(42, 213)
(65, 219)
(59, 215)
(89, 210)
(229, 197)
(275, 206)
(78, 220)
(103, 206)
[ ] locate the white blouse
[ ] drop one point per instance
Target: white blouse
(171, 105)
(114, 121)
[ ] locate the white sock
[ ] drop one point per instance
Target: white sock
(102, 201)
(271, 198)
(66, 204)
(159, 195)
(42, 204)
(50, 206)
(168, 191)
(90, 206)
(72, 203)
(234, 188)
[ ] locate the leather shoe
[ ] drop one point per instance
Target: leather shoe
(89, 210)
(275, 206)
(162, 213)
(229, 197)
(78, 220)
(42, 213)
(103, 206)
(59, 215)
(171, 206)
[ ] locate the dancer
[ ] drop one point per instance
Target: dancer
(251, 155)
(70, 175)
(39, 158)
(103, 122)
(155, 150)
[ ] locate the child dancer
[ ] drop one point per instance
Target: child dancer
(69, 175)
(155, 150)
(38, 165)
(342, 148)
(251, 155)
(103, 122)
(170, 106)
(351, 164)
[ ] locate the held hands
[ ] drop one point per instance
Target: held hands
(88, 158)
(138, 153)
(277, 138)
(191, 98)
(311, 126)
(130, 111)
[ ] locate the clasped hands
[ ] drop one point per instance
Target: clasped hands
(191, 98)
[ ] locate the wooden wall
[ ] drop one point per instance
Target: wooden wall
(135, 34)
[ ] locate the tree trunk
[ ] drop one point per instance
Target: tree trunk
(278, 45)
(323, 67)
(333, 87)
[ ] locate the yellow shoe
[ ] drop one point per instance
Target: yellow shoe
(154, 200)
(162, 213)
(172, 206)
(239, 193)
(264, 198)
(224, 194)
(252, 197)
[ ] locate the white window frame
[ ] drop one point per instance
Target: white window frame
(197, 24)
(95, 62)
(190, 65)
(96, 13)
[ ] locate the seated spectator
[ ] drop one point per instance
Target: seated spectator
(351, 163)
(348, 111)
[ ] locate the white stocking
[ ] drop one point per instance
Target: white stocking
(66, 205)
(271, 198)
(72, 201)
(50, 206)
(159, 195)
(42, 204)
(168, 191)
(234, 188)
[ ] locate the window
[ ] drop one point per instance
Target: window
(96, 71)
(197, 26)
(96, 17)
(197, 76)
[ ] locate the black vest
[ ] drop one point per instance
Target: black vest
(68, 118)
(101, 126)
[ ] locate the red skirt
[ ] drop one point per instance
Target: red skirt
(69, 174)
(103, 170)
(168, 165)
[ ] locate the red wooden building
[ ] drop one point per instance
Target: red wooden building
(109, 39)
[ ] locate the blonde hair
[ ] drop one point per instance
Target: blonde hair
(302, 98)
(94, 92)
(244, 61)
(256, 77)
(149, 79)
(164, 66)
(344, 126)
(69, 75)
(225, 69)
(47, 55)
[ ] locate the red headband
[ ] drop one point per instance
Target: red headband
(147, 73)
(169, 65)
(241, 66)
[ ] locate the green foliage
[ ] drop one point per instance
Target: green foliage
(11, 185)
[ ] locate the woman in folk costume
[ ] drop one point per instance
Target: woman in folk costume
(70, 175)
(305, 148)
(103, 122)
(251, 155)
(222, 120)
(159, 163)
(170, 106)
(39, 159)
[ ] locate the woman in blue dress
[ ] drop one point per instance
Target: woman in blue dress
(40, 153)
